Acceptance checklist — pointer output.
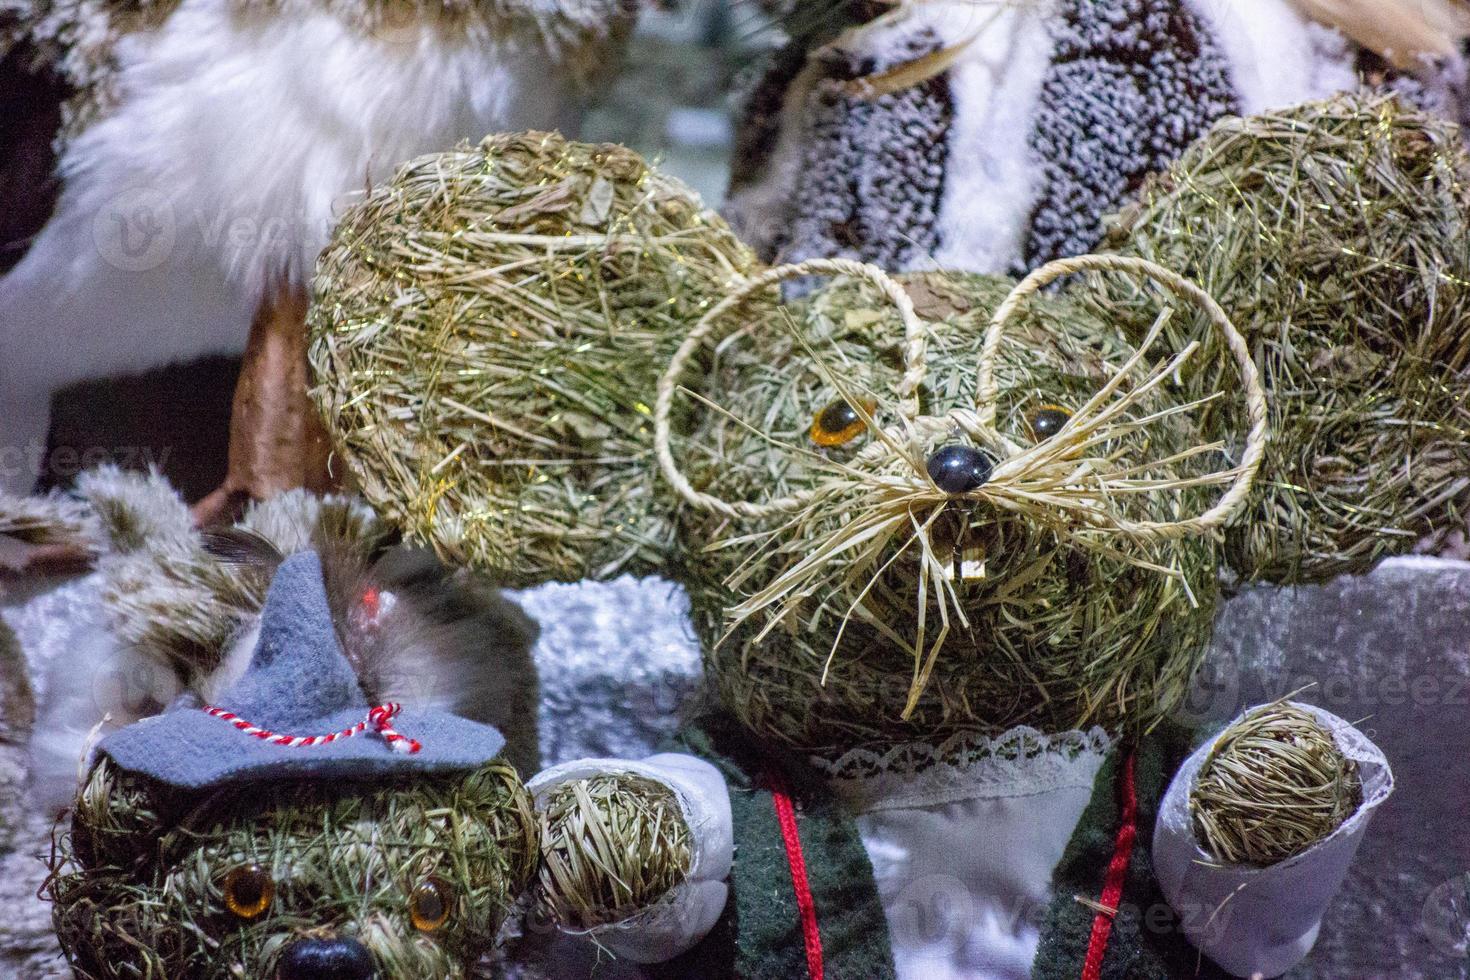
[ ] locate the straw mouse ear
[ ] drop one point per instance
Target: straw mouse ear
(1112, 449)
(718, 329)
(488, 330)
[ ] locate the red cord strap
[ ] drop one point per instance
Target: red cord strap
(1112, 893)
(379, 718)
(786, 816)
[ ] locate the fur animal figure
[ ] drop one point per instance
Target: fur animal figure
(204, 148)
(196, 849)
(952, 542)
(183, 608)
(993, 137)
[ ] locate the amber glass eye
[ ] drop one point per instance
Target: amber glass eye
(1047, 421)
(839, 423)
(429, 904)
(248, 891)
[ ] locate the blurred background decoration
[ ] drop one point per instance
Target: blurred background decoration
(674, 103)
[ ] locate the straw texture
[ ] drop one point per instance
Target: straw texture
(491, 326)
(138, 881)
(610, 846)
(1336, 233)
(1274, 784)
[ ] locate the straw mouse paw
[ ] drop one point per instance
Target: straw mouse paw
(637, 854)
(612, 845)
(1257, 831)
(1273, 785)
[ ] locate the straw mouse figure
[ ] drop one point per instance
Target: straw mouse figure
(953, 543)
(293, 829)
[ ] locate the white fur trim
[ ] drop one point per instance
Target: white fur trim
(237, 138)
(991, 183)
(1277, 57)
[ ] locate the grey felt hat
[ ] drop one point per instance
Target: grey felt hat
(299, 686)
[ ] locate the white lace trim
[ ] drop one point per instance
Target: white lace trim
(966, 766)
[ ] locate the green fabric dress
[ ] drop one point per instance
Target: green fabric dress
(760, 935)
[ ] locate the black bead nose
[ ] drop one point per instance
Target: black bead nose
(326, 959)
(959, 469)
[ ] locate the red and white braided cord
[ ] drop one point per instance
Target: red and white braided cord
(379, 718)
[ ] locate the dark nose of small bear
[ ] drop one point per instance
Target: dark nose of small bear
(326, 959)
(959, 469)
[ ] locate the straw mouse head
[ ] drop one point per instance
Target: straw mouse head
(894, 518)
(903, 525)
(290, 829)
(409, 880)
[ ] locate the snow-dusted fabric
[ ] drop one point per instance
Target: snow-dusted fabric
(963, 852)
(617, 661)
(870, 165)
(687, 913)
(1267, 919)
(1055, 113)
(1131, 85)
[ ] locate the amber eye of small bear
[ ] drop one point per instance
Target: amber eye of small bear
(248, 891)
(839, 423)
(1047, 421)
(429, 904)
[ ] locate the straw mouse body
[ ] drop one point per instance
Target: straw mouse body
(952, 543)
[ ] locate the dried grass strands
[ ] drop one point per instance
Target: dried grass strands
(610, 846)
(136, 882)
(1337, 235)
(485, 403)
(1274, 784)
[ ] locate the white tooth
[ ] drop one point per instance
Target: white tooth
(970, 569)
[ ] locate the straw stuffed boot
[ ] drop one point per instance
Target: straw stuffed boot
(293, 829)
(953, 543)
(993, 137)
(205, 148)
